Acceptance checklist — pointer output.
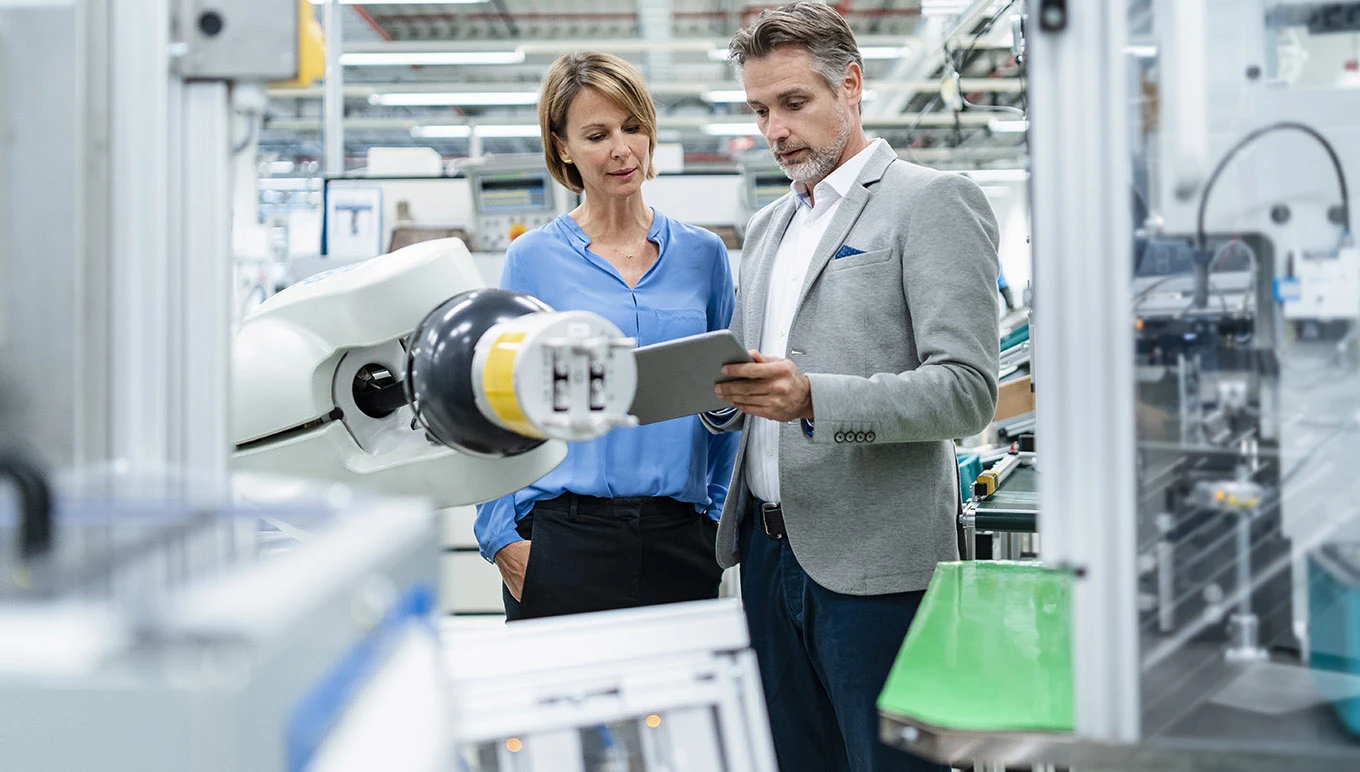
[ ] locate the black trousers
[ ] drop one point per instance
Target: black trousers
(823, 658)
(596, 554)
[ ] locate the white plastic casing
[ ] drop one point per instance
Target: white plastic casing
(293, 363)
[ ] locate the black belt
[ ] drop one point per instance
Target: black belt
(597, 505)
(771, 514)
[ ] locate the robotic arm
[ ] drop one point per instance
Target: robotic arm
(405, 374)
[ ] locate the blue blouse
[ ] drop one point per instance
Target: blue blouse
(687, 291)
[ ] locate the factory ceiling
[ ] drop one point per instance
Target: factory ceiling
(500, 49)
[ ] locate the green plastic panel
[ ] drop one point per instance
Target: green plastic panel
(990, 650)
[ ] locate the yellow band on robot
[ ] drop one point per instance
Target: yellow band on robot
(498, 384)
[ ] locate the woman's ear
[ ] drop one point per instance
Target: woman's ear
(561, 149)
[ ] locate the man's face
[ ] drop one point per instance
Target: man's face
(807, 124)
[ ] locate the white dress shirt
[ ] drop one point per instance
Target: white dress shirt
(790, 268)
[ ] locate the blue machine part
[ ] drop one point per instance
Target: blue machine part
(321, 708)
(1334, 619)
(970, 466)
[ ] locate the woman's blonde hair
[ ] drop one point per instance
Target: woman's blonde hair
(617, 80)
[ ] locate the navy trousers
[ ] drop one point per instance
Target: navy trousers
(824, 657)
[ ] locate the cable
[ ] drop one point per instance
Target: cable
(994, 108)
(1200, 238)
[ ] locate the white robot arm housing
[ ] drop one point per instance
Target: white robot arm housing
(405, 374)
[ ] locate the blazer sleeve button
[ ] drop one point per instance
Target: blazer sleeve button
(840, 436)
(869, 436)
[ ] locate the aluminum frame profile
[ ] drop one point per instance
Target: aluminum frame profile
(1083, 351)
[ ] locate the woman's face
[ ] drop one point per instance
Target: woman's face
(606, 144)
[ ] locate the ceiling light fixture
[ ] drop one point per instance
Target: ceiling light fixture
(732, 130)
(441, 132)
(433, 58)
(463, 98)
(943, 7)
(507, 130)
(402, 2)
(737, 96)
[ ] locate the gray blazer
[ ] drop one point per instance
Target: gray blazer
(900, 344)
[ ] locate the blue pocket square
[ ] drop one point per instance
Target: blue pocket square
(846, 251)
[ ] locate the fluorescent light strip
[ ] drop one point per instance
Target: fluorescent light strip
(402, 2)
(441, 132)
(461, 131)
(866, 52)
(466, 98)
(433, 58)
(734, 96)
(732, 130)
(522, 130)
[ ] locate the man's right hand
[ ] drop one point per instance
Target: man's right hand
(512, 560)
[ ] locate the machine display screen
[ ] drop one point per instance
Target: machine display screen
(514, 195)
(768, 188)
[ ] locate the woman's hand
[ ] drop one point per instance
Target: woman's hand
(512, 560)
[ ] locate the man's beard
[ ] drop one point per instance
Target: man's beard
(820, 161)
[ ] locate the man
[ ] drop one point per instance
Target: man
(870, 292)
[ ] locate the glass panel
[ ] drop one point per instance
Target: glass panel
(1246, 294)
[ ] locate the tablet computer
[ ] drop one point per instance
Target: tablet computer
(676, 378)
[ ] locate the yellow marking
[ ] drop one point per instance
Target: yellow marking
(654, 721)
(498, 383)
(514, 745)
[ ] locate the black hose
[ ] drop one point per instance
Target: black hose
(35, 504)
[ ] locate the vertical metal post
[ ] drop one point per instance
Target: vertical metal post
(202, 293)
(334, 96)
(1084, 363)
(139, 205)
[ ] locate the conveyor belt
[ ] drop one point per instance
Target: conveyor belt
(1015, 505)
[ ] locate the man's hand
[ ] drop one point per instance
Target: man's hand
(512, 560)
(772, 388)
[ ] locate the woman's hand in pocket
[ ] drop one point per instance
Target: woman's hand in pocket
(513, 560)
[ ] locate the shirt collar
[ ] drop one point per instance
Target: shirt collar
(658, 232)
(842, 177)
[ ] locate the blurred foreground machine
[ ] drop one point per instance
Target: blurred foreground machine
(1200, 406)
(165, 630)
(672, 687)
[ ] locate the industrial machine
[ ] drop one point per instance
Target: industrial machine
(672, 687)
(762, 183)
(165, 628)
(404, 374)
(1198, 387)
(512, 194)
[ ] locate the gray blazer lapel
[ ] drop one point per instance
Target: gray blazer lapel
(846, 215)
(760, 278)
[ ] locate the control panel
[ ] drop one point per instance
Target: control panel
(512, 195)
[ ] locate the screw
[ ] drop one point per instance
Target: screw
(210, 23)
(1253, 72)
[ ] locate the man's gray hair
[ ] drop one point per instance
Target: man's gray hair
(814, 27)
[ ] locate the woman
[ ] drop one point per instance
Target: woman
(628, 519)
